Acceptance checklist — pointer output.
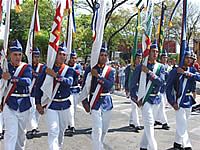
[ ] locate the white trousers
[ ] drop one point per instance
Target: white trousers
(1, 122)
(15, 128)
(182, 137)
(148, 140)
(161, 115)
(100, 124)
(72, 109)
(34, 116)
(56, 124)
(134, 117)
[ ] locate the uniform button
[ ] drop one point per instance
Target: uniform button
(16, 91)
(59, 95)
(58, 91)
(13, 71)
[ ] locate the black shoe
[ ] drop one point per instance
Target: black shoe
(139, 127)
(157, 123)
(29, 135)
(35, 131)
(165, 126)
(70, 131)
(143, 148)
(188, 148)
(131, 125)
(178, 146)
(1, 136)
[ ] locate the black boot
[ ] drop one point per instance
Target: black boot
(188, 148)
(143, 148)
(165, 126)
(178, 146)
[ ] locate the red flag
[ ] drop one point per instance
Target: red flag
(1, 10)
(53, 49)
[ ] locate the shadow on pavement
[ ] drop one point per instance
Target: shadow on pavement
(124, 129)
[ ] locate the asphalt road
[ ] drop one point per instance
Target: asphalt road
(120, 136)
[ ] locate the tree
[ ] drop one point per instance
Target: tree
(20, 23)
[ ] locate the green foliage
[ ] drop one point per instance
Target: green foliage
(20, 23)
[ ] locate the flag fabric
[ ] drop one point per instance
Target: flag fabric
(146, 47)
(137, 30)
(1, 10)
(161, 28)
(71, 28)
(53, 48)
(173, 12)
(17, 6)
(34, 27)
(99, 23)
(183, 34)
(4, 63)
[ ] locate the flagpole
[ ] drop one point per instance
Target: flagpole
(161, 26)
(183, 33)
(33, 39)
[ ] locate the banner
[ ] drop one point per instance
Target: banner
(47, 86)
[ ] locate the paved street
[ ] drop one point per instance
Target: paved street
(120, 137)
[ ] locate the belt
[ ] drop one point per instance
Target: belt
(104, 94)
(61, 100)
(20, 95)
(188, 94)
(153, 94)
(75, 86)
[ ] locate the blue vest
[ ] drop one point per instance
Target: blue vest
(157, 82)
(35, 76)
(63, 91)
(22, 87)
(175, 84)
(105, 102)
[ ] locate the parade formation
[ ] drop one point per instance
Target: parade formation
(55, 88)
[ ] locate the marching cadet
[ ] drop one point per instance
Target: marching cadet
(58, 107)
(100, 99)
(155, 78)
(17, 99)
(161, 117)
(179, 95)
(75, 89)
(129, 77)
(34, 116)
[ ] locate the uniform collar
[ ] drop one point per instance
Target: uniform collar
(101, 65)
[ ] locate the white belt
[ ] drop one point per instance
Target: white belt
(188, 94)
(75, 86)
(153, 94)
(104, 94)
(61, 100)
(20, 95)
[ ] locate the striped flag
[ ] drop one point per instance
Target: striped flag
(34, 27)
(161, 28)
(98, 30)
(71, 28)
(53, 48)
(146, 47)
(138, 28)
(183, 33)
(98, 22)
(4, 63)
(173, 12)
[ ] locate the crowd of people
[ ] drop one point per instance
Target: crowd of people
(72, 83)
